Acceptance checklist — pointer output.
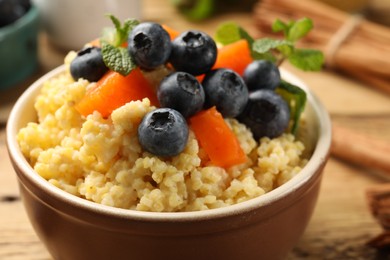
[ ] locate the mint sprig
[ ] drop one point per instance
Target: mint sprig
(115, 56)
(117, 59)
(195, 10)
(266, 47)
(293, 30)
(277, 50)
(296, 99)
(231, 32)
(305, 59)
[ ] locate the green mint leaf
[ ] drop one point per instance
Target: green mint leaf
(231, 32)
(112, 35)
(280, 26)
(117, 59)
(125, 30)
(296, 99)
(266, 44)
(263, 48)
(286, 50)
(195, 10)
(264, 56)
(299, 29)
(118, 35)
(115, 21)
(307, 59)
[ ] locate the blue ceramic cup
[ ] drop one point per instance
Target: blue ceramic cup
(18, 49)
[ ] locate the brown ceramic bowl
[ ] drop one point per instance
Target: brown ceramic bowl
(266, 227)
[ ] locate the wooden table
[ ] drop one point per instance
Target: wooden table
(341, 223)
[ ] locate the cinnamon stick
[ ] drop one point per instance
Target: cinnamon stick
(378, 198)
(364, 53)
(381, 83)
(382, 241)
(360, 149)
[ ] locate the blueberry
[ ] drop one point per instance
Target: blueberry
(88, 65)
(12, 10)
(182, 92)
(194, 52)
(163, 132)
(266, 114)
(261, 74)
(150, 45)
(226, 90)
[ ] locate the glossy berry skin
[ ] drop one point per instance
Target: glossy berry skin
(163, 132)
(12, 10)
(149, 45)
(226, 90)
(261, 74)
(182, 92)
(88, 65)
(194, 52)
(266, 114)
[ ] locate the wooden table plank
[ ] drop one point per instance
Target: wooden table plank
(341, 223)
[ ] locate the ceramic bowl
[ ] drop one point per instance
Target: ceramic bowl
(18, 49)
(266, 227)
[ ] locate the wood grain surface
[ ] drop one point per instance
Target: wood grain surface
(342, 222)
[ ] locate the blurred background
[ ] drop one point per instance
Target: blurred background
(36, 34)
(354, 85)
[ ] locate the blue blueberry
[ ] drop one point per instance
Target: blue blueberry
(194, 52)
(266, 114)
(163, 132)
(149, 45)
(261, 74)
(182, 92)
(88, 65)
(226, 90)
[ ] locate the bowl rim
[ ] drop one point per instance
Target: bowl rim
(317, 160)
